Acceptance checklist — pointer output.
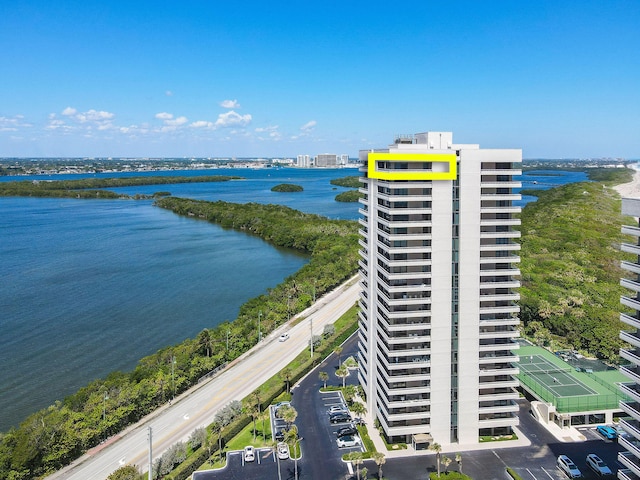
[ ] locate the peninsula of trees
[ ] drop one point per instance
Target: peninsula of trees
(93, 187)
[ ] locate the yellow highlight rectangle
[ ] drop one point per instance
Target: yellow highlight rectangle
(449, 158)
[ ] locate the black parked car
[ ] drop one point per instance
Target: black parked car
(348, 430)
(340, 417)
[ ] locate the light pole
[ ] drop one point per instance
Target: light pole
(259, 334)
(104, 407)
(289, 308)
(173, 382)
(311, 324)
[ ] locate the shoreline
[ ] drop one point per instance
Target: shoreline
(631, 189)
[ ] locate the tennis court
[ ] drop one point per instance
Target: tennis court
(557, 380)
(553, 380)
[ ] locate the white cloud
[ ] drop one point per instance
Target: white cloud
(229, 104)
(69, 111)
(177, 122)
(232, 119)
(164, 116)
(307, 127)
(12, 124)
(94, 116)
(202, 124)
(169, 93)
(271, 128)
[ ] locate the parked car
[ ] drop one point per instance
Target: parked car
(348, 441)
(348, 430)
(607, 432)
(283, 451)
(284, 337)
(568, 467)
(249, 454)
(337, 409)
(596, 464)
(279, 435)
(339, 417)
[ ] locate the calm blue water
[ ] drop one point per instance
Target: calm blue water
(91, 286)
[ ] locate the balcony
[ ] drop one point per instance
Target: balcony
(499, 222)
(491, 358)
(505, 259)
(508, 406)
(631, 371)
(507, 421)
(502, 309)
(630, 284)
(630, 302)
(630, 248)
(631, 337)
(630, 267)
(506, 370)
(629, 320)
(509, 382)
(500, 322)
(496, 334)
(498, 347)
(512, 395)
(633, 466)
(631, 444)
(629, 230)
(631, 389)
(631, 408)
(631, 426)
(500, 247)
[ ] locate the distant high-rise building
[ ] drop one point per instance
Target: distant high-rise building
(631, 457)
(303, 161)
(438, 316)
(326, 160)
(343, 160)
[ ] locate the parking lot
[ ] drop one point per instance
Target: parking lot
(322, 458)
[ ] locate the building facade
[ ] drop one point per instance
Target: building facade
(631, 442)
(438, 317)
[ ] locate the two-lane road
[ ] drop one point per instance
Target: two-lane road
(197, 407)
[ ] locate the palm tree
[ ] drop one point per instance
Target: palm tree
(253, 409)
(436, 447)
(380, 460)
(342, 372)
(257, 400)
(289, 415)
(358, 408)
(286, 374)
(291, 437)
(446, 461)
(338, 351)
(356, 459)
(324, 376)
(274, 448)
(459, 460)
(205, 340)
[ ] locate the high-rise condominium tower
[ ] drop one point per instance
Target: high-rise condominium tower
(438, 317)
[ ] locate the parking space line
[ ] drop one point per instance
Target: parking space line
(543, 469)
(536, 478)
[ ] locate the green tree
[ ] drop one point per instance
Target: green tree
(324, 376)
(343, 373)
(358, 408)
(356, 458)
(446, 461)
(436, 447)
(338, 352)
(128, 472)
(289, 415)
(292, 438)
(286, 375)
(379, 459)
(206, 341)
(459, 461)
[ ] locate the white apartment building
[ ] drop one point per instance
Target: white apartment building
(631, 442)
(438, 317)
(325, 160)
(303, 161)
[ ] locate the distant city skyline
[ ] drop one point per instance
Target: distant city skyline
(254, 79)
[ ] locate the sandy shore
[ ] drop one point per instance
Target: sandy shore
(631, 189)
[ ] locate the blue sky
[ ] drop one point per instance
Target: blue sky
(559, 79)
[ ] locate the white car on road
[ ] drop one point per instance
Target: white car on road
(284, 337)
(249, 453)
(568, 467)
(596, 464)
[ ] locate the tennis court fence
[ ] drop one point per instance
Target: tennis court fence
(570, 404)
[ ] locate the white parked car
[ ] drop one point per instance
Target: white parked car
(283, 451)
(336, 409)
(348, 441)
(596, 464)
(249, 453)
(284, 337)
(568, 467)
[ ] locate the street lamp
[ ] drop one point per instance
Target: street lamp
(259, 334)
(104, 407)
(173, 382)
(289, 307)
